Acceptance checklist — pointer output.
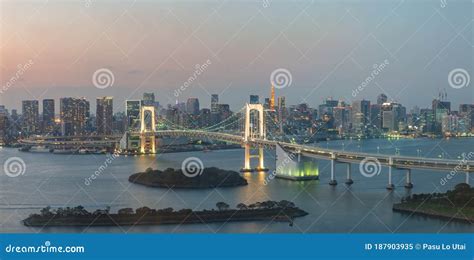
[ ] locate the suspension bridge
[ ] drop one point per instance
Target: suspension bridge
(248, 127)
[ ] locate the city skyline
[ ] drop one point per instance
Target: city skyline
(328, 53)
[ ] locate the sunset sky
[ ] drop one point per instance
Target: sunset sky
(330, 48)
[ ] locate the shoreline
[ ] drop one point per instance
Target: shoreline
(417, 210)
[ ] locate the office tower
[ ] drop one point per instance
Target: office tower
(133, 114)
(192, 106)
(467, 112)
(360, 115)
(48, 116)
(148, 99)
(205, 117)
(342, 118)
(392, 115)
(74, 114)
(224, 111)
(254, 99)
(3, 125)
(104, 115)
(440, 109)
(30, 116)
(214, 103)
(376, 116)
(382, 98)
(328, 107)
(267, 103)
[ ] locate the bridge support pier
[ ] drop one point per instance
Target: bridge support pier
(390, 185)
(333, 169)
(261, 160)
(349, 180)
(467, 177)
(408, 183)
(247, 159)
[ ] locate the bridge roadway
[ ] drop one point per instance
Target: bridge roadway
(400, 162)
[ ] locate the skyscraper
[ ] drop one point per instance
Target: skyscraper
(74, 113)
(382, 98)
(214, 103)
(48, 116)
(254, 99)
(30, 115)
(148, 99)
(360, 114)
(104, 115)
(133, 114)
(192, 106)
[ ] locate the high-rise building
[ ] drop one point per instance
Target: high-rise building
(392, 116)
(74, 114)
(3, 125)
(360, 115)
(254, 99)
(104, 115)
(192, 106)
(133, 114)
(205, 117)
(376, 116)
(382, 98)
(467, 112)
(148, 99)
(214, 103)
(30, 116)
(48, 116)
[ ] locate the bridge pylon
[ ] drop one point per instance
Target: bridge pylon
(254, 130)
(147, 134)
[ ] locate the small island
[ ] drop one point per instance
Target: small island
(170, 178)
(78, 216)
(455, 204)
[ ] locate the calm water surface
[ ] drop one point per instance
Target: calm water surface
(58, 180)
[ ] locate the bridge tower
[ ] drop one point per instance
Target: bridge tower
(147, 133)
(254, 132)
